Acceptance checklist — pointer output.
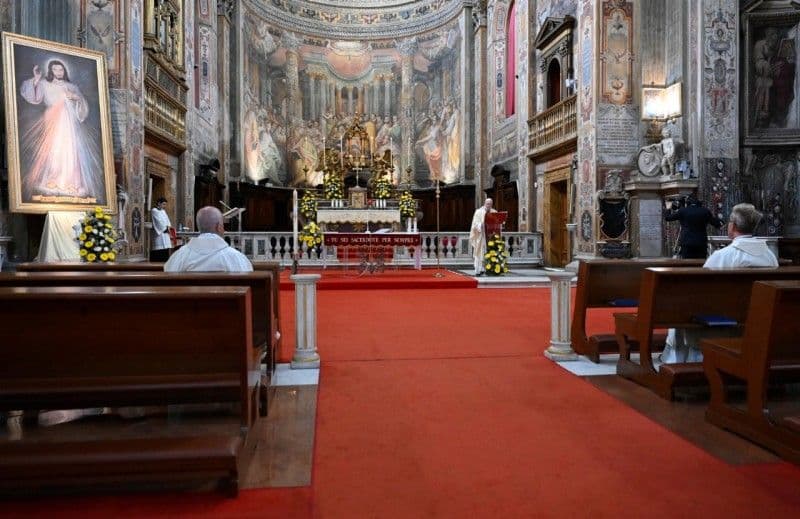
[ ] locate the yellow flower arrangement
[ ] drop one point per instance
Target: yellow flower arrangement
(308, 205)
(408, 207)
(311, 235)
(495, 261)
(98, 238)
(382, 188)
(333, 186)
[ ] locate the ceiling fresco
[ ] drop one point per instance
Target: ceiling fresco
(357, 19)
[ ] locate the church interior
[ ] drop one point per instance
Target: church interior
(402, 347)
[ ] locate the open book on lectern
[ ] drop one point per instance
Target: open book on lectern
(233, 212)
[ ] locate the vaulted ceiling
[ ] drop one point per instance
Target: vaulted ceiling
(358, 19)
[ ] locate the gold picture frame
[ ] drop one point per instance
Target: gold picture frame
(58, 127)
(358, 197)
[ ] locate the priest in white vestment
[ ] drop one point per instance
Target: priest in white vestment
(208, 252)
(162, 242)
(683, 345)
(477, 235)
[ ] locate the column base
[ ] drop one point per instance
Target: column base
(305, 361)
(560, 353)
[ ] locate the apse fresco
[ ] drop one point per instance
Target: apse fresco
(301, 93)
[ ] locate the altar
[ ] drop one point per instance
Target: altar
(366, 219)
(358, 223)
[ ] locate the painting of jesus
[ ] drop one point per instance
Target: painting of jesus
(60, 154)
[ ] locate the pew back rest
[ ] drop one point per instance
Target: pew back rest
(601, 280)
(673, 296)
(260, 284)
(772, 331)
(123, 331)
(77, 266)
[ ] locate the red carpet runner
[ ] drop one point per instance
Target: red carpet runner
(439, 404)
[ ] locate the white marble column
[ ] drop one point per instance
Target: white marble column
(305, 295)
(376, 95)
(314, 95)
(560, 343)
(407, 48)
(387, 95)
(291, 43)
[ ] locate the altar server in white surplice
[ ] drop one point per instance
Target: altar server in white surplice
(208, 252)
(162, 243)
(477, 235)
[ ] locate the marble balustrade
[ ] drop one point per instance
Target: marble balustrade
(525, 248)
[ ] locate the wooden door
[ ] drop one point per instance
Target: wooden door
(556, 217)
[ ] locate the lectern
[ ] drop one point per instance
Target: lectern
(493, 223)
(234, 212)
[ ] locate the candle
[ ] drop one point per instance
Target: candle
(295, 247)
(341, 150)
(391, 145)
(324, 165)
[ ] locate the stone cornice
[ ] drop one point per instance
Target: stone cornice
(350, 20)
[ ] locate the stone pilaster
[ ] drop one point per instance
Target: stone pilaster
(480, 79)
(718, 85)
(587, 14)
(522, 86)
(224, 10)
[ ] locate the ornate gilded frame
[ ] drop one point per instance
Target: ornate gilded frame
(755, 25)
(100, 82)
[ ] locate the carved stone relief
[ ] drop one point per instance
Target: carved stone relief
(769, 181)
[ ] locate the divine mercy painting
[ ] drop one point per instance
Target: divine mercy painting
(58, 127)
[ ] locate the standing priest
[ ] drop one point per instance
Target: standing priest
(477, 235)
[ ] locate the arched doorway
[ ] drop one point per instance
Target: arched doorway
(553, 83)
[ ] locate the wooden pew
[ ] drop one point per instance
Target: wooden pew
(79, 347)
(145, 266)
(672, 297)
(70, 266)
(604, 283)
(769, 350)
(260, 284)
(275, 268)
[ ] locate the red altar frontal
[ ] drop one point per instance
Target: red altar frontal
(388, 239)
(371, 250)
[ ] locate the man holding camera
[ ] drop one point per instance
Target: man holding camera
(694, 218)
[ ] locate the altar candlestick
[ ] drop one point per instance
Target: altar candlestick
(294, 222)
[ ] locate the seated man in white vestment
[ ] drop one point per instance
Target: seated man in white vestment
(683, 345)
(208, 252)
